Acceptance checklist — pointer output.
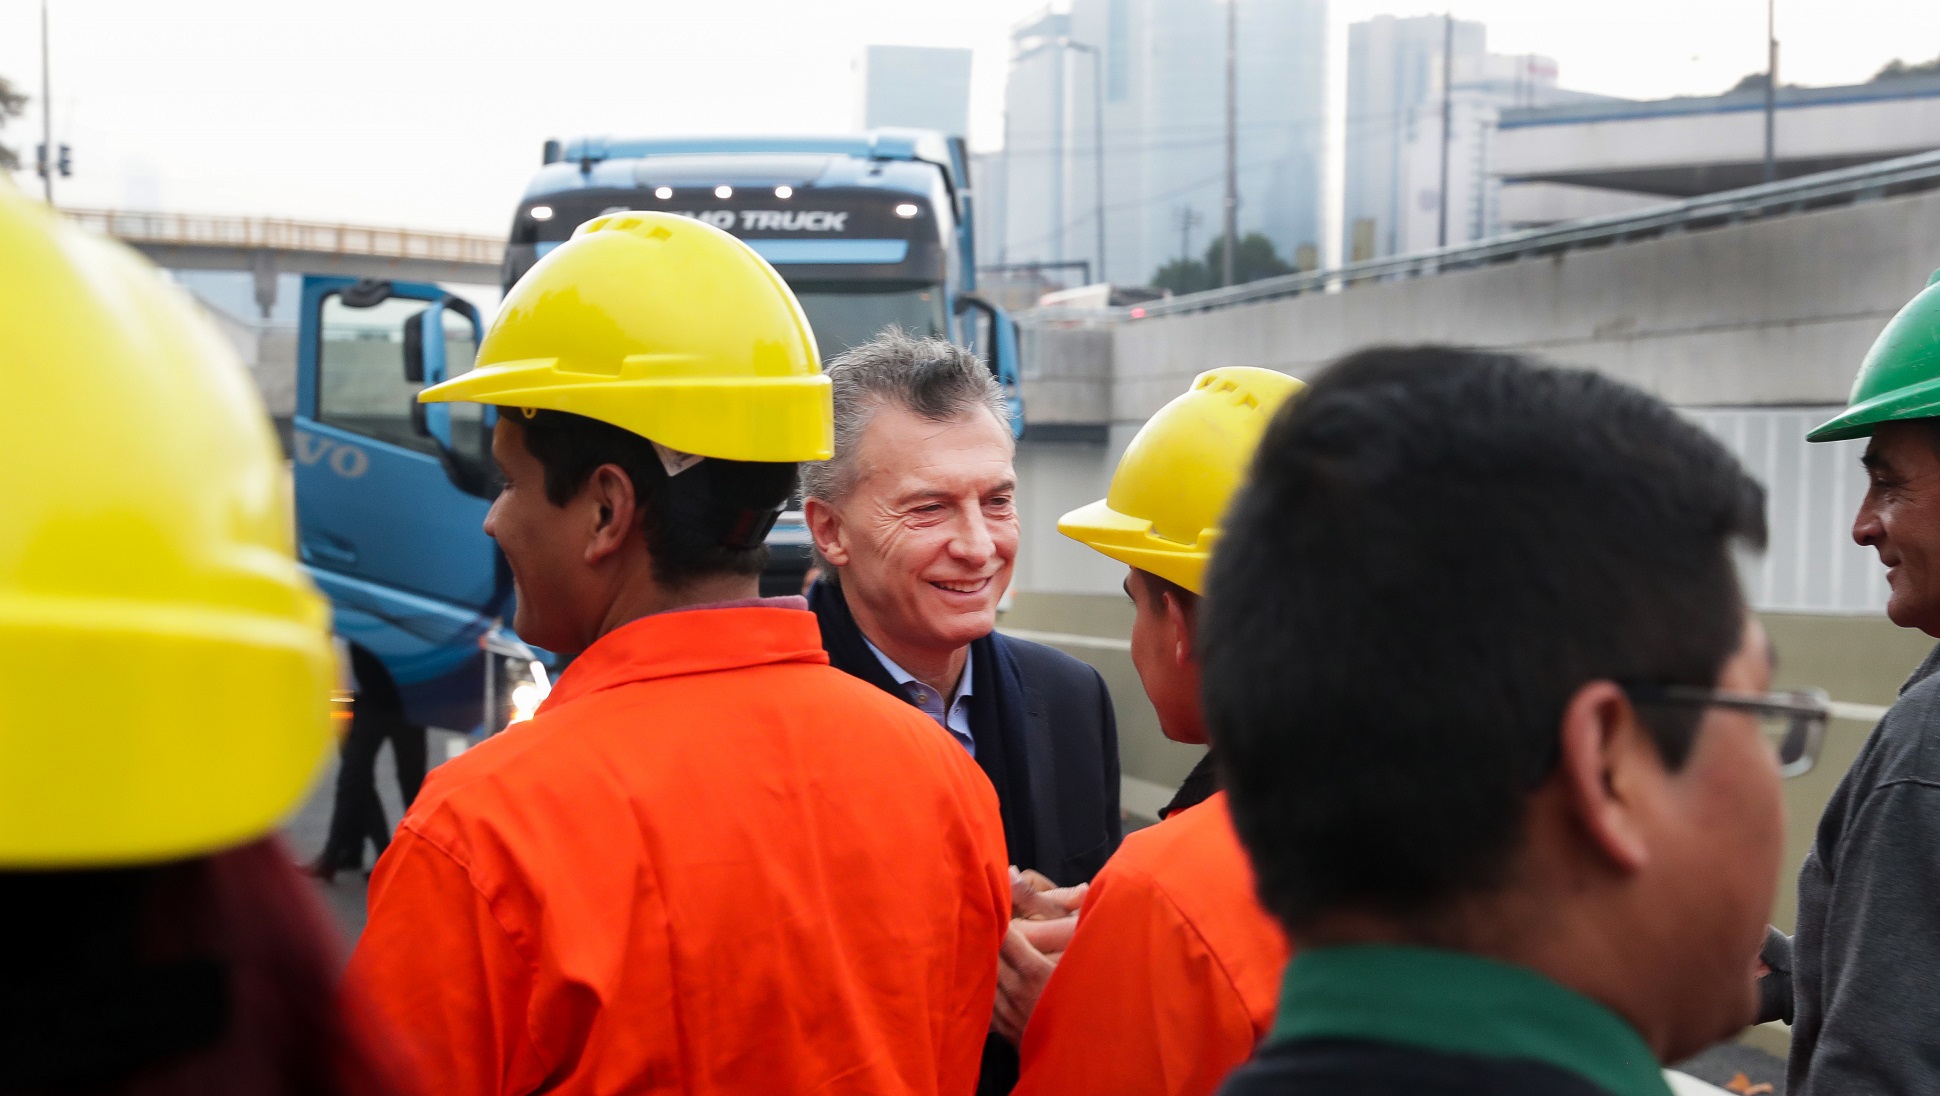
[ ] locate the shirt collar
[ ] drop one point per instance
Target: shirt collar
(786, 601)
(676, 643)
(904, 677)
(1463, 1004)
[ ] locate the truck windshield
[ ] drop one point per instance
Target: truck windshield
(849, 314)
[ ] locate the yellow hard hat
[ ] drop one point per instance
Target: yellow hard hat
(165, 666)
(1162, 511)
(665, 326)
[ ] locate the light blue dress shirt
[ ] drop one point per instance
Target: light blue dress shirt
(957, 722)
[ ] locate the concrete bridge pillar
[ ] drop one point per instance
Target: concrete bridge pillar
(262, 265)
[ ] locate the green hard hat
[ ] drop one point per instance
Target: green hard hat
(1900, 378)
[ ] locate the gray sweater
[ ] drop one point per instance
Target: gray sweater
(1865, 965)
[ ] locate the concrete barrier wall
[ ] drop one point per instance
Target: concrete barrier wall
(1769, 312)
(1067, 373)
(1772, 313)
(1054, 478)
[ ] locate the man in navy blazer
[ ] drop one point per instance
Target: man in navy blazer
(916, 528)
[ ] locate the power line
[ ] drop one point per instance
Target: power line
(1139, 203)
(1382, 118)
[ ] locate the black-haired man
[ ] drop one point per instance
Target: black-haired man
(1489, 701)
(672, 879)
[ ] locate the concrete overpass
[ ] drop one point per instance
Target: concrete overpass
(266, 246)
(1764, 296)
(1695, 145)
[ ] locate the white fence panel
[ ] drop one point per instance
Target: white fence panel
(1812, 492)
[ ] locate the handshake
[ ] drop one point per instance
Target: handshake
(1043, 917)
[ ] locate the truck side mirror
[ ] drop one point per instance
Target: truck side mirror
(999, 350)
(424, 363)
(424, 346)
(433, 353)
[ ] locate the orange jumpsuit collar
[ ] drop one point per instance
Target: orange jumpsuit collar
(698, 642)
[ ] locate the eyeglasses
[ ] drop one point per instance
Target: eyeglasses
(1793, 722)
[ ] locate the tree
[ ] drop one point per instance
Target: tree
(1897, 69)
(1183, 276)
(1255, 259)
(12, 104)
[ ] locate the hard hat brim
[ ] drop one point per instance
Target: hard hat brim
(187, 769)
(770, 419)
(1131, 541)
(1917, 401)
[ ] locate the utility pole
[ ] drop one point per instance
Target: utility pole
(46, 113)
(1098, 137)
(1232, 140)
(1448, 119)
(1188, 217)
(1771, 91)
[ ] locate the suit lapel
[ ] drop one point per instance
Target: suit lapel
(1032, 747)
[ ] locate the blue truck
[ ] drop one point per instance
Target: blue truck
(391, 496)
(869, 230)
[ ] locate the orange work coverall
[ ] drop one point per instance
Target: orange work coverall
(710, 864)
(1173, 975)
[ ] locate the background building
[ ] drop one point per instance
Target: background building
(1161, 68)
(1392, 198)
(1032, 164)
(916, 86)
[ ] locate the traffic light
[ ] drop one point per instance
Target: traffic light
(63, 162)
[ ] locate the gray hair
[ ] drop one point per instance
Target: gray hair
(932, 377)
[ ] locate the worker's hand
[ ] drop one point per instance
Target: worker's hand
(1043, 918)
(1022, 972)
(1036, 898)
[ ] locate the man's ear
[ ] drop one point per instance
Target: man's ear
(1607, 762)
(1179, 628)
(825, 525)
(616, 511)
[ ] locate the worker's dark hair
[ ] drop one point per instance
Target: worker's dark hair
(1160, 586)
(1436, 549)
(211, 976)
(708, 520)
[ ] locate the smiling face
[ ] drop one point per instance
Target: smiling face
(1900, 519)
(556, 596)
(925, 539)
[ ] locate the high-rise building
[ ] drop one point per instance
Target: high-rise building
(1161, 68)
(1395, 155)
(1033, 227)
(916, 86)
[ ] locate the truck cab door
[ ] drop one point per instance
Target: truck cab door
(992, 335)
(391, 494)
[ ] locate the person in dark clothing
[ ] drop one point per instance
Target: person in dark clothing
(1044, 709)
(1491, 712)
(1856, 983)
(916, 531)
(357, 814)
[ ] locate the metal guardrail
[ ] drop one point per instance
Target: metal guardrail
(1846, 186)
(278, 234)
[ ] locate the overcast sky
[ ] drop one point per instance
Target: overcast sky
(430, 115)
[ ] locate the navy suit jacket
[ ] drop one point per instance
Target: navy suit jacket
(1046, 736)
(1048, 740)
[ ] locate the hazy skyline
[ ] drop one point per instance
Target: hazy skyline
(431, 115)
